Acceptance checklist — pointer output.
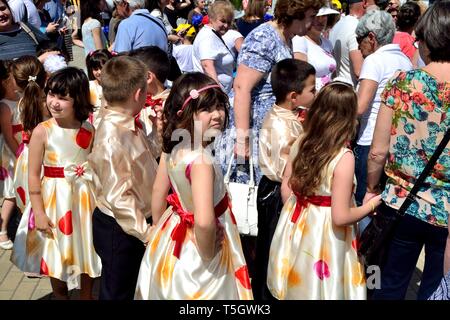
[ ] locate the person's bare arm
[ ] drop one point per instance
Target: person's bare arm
(378, 151)
(246, 79)
(356, 61)
(286, 190)
(97, 38)
(202, 175)
(209, 69)
(238, 43)
(161, 188)
(342, 211)
(300, 56)
(7, 131)
(366, 93)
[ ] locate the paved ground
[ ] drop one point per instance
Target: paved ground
(15, 286)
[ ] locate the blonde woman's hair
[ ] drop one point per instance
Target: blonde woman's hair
(221, 7)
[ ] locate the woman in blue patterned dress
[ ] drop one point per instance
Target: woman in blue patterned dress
(262, 49)
(412, 120)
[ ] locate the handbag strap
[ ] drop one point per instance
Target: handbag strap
(412, 194)
(251, 182)
(28, 30)
(223, 41)
(151, 18)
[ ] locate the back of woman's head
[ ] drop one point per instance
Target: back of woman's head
(30, 76)
(408, 15)
(434, 29)
(286, 11)
(151, 5)
(177, 117)
(329, 125)
(90, 9)
(74, 83)
(255, 8)
(95, 60)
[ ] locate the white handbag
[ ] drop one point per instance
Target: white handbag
(243, 201)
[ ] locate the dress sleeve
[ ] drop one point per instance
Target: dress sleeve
(299, 44)
(392, 91)
(258, 51)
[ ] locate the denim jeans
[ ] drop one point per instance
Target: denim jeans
(361, 155)
(410, 236)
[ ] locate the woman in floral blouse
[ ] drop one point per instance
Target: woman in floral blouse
(413, 118)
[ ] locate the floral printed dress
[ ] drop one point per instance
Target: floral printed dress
(8, 158)
(310, 257)
(21, 174)
(69, 203)
(172, 267)
(261, 50)
(421, 116)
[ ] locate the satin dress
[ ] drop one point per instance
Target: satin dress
(310, 257)
(8, 158)
(172, 267)
(21, 174)
(69, 203)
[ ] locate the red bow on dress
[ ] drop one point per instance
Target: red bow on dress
(303, 202)
(186, 221)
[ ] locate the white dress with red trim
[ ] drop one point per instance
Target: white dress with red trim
(310, 257)
(8, 158)
(172, 267)
(69, 203)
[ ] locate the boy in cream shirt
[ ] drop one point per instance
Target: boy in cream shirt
(124, 171)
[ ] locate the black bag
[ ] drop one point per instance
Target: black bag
(375, 239)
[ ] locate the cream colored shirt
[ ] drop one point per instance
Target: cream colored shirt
(280, 129)
(124, 172)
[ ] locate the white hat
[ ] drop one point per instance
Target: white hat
(324, 11)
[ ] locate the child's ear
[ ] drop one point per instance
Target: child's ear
(292, 96)
(137, 95)
(150, 77)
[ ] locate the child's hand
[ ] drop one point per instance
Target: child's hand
(375, 202)
(368, 196)
(220, 235)
(43, 223)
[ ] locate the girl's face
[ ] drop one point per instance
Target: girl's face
(6, 19)
(60, 107)
(210, 120)
(97, 73)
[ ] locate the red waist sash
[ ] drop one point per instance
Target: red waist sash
(16, 128)
(303, 202)
(187, 219)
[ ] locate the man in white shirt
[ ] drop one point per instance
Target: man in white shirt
(348, 57)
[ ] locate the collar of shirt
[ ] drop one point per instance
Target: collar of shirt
(143, 11)
(285, 113)
(389, 47)
(118, 118)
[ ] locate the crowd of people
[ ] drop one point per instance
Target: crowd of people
(328, 111)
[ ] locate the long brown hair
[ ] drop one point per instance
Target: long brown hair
(329, 125)
(30, 77)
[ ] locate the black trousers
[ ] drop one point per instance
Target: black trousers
(121, 256)
(269, 205)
